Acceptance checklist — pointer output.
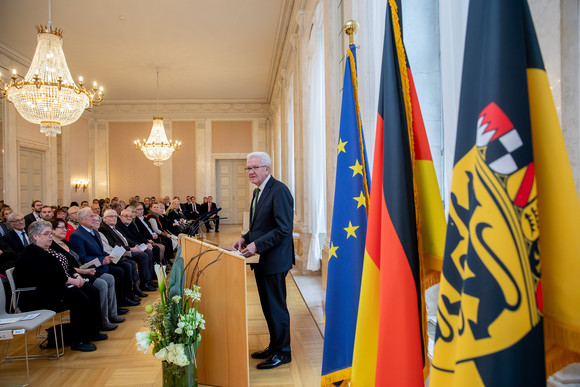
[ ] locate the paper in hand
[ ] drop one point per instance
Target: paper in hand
(93, 263)
(117, 253)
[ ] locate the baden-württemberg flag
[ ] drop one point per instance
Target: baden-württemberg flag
(513, 210)
(405, 235)
(348, 234)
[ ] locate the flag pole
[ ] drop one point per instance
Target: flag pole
(351, 27)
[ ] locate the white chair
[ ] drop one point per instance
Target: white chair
(7, 330)
(15, 291)
(16, 309)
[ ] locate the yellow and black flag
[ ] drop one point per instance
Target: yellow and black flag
(511, 181)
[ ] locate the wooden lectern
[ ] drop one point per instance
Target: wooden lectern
(222, 358)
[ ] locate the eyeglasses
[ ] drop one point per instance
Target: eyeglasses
(61, 227)
(248, 169)
(47, 233)
(110, 216)
(18, 220)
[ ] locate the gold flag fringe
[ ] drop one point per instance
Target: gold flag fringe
(337, 376)
(562, 343)
(558, 357)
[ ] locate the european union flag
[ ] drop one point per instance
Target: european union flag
(348, 234)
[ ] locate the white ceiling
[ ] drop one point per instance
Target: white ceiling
(218, 50)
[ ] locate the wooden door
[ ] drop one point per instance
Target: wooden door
(232, 190)
(31, 177)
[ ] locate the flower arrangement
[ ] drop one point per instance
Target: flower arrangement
(175, 323)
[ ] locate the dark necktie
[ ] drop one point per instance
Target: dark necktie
(24, 238)
(97, 237)
(254, 202)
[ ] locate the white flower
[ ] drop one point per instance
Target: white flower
(161, 276)
(178, 331)
(171, 352)
(181, 360)
(190, 333)
(176, 298)
(161, 354)
(180, 324)
(143, 341)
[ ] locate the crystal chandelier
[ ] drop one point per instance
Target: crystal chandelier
(157, 147)
(48, 95)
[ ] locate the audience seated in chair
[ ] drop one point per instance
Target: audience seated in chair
(105, 283)
(143, 259)
(58, 287)
(87, 243)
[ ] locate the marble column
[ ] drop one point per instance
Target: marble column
(166, 169)
(98, 159)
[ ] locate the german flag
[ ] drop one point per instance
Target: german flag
(405, 232)
(513, 210)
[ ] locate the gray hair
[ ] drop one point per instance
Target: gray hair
(83, 213)
(109, 211)
(36, 228)
(263, 156)
(73, 208)
(12, 215)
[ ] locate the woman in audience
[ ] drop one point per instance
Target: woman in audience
(61, 213)
(4, 225)
(105, 283)
(156, 219)
(5, 212)
(57, 288)
(176, 217)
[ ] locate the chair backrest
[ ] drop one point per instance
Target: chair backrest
(10, 275)
(2, 300)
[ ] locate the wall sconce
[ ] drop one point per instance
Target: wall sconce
(80, 183)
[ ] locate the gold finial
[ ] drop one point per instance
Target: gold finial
(350, 28)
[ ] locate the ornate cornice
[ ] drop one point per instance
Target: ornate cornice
(130, 111)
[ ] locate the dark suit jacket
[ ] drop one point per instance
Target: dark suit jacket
(4, 228)
(13, 240)
(88, 248)
(190, 213)
(203, 208)
(113, 238)
(143, 228)
(29, 219)
(271, 230)
(131, 233)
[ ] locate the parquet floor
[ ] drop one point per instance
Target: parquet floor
(117, 362)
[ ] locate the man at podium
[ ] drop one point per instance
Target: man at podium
(270, 235)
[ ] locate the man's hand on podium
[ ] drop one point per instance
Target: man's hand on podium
(246, 250)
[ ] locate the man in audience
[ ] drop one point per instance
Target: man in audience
(166, 202)
(191, 208)
(84, 204)
(146, 203)
(118, 207)
(129, 230)
(96, 208)
(207, 207)
(46, 213)
(165, 244)
(72, 215)
(88, 245)
(143, 259)
(16, 238)
(34, 215)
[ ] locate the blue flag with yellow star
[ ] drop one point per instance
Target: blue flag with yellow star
(348, 234)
